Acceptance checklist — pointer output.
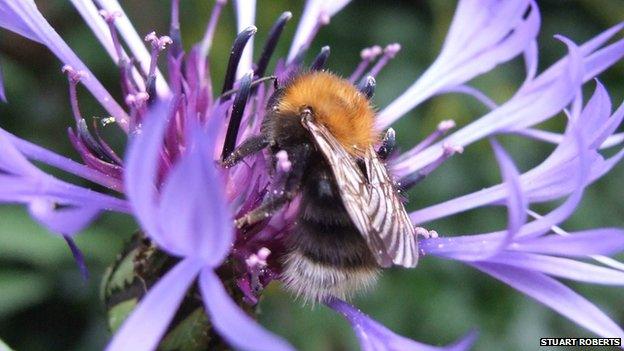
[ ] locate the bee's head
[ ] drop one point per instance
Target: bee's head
(282, 124)
(326, 99)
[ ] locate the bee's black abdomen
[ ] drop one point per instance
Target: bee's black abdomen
(334, 245)
(328, 255)
(324, 231)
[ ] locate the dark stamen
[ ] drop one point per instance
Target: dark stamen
(151, 88)
(105, 147)
(409, 181)
(414, 178)
(158, 45)
(320, 60)
(254, 84)
(91, 143)
(174, 29)
(235, 56)
(238, 110)
(271, 43)
(387, 144)
(367, 86)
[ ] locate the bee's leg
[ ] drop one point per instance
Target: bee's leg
(266, 210)
(387, 144)
(276, 198)
(248, 147)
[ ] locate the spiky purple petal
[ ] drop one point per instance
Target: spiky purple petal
(482, 35)
(23, 17)
(144, 328)
(231, 322)
(375, 337)
(554, 295)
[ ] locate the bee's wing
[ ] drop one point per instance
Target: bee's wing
(372, 202)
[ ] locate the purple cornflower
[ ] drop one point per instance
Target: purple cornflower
(178, 127)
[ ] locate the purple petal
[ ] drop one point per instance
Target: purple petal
(141, 163)
(516, 202)
(15, 23)
(470, 247)
(603, 59)
(560, 267)
(26, 189)
(245, 17)
(312, 12)
(37, 153)
(599, 124)
(603, 241)
(464, 248)
(561, 90)
(375, 337)
(12, 161)
(23, 17)
(196, 217)
(516, 206)
(558, 215)
(149, 320)
(237, 328)
(610, 126)
(531, 62)
(482, 35)
(549, 180)
(544, 100)
(555, 295)
(94, 20)
(2, 93)
(135, 44)
(65, 220)
(597, 41)
(521, 38)
(595, 114)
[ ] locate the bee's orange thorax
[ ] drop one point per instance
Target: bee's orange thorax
(335, 103)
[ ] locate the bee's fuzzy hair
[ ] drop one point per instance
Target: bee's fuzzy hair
(313, 282)
(335, 103)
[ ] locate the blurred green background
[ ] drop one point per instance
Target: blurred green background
(45, 305)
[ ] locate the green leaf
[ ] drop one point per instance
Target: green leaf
(118, 313)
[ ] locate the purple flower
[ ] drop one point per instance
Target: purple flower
(177, 128)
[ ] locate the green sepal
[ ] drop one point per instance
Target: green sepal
(118, 313)
(189, 335)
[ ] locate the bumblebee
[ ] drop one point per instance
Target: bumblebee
(351, 220)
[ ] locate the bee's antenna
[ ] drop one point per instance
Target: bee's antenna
(367, 86)
(319, 61)
(254, 84)
(271, 43)
(235, 56)
(238, 109)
